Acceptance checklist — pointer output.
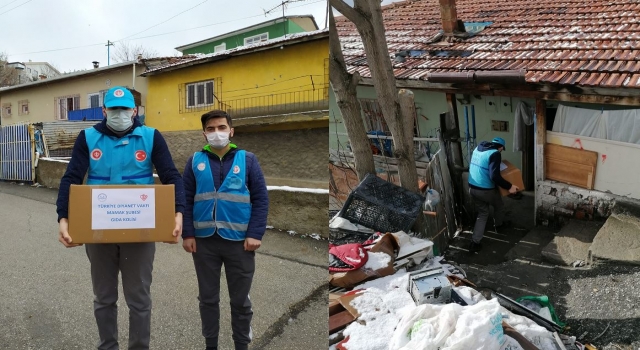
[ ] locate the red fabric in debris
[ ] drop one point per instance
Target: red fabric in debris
(352, 254)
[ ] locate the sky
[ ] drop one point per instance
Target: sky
(70, 34)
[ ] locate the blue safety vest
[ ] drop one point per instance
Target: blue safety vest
(479, 169)
(226, 210)
(120, 161)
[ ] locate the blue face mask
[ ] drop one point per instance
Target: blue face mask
(120, 119)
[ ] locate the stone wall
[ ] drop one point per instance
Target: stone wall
(289, 154)
(557, 202)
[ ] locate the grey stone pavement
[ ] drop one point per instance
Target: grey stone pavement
(46, 298)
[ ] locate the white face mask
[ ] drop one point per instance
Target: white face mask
(218, 139)
(120, 119)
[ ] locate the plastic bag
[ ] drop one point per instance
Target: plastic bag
(450, 327)
(543, 301)
(431, 201)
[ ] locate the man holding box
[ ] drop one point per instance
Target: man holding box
(120, 151)
(484, 175)
(224, 221)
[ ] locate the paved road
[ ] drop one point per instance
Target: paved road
(46, 299)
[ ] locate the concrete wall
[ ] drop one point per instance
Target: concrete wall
(618, 163)
(287, 154)
(302, 212)
(42, 96)
(295, 68)
(429, 105)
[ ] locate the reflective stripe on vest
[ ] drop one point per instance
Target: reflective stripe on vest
(231, 204)
(479, 169)
(120, 161)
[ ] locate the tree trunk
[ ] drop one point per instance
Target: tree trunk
(407, 165)
(344, 86)
(367, 17)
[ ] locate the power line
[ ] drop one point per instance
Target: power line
(153, 26)
(3, 6)
(155, 35)
(13, 8)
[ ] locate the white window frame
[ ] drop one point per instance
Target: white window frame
(64, 115)
(21, 107)
(196, 94)
(220, 48)
(254, 39)
(100, 99)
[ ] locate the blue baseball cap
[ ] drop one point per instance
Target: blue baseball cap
(119, 96)
(500, 141)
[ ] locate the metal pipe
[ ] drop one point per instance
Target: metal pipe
(467, 135)
(501, 76)
(473, 121)
(453, 77)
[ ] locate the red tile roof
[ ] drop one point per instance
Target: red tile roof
(577, 42)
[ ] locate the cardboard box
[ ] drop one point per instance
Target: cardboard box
(121, 213)
(511, 174)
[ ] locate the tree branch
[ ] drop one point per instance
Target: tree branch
(352, 14)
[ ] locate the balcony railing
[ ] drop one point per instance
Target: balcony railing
(277, 104)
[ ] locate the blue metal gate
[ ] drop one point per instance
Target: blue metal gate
(17, 152)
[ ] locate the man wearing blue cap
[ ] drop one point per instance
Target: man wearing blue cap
(119, 151)
(484, 175)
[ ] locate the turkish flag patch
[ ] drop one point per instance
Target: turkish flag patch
(141, 156)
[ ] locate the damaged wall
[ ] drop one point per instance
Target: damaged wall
(556, 203)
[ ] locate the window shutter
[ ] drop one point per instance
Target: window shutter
(200, 94)
(209, 92)
(191, 95)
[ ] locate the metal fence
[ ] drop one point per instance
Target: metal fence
(276, 104)
(17, 152)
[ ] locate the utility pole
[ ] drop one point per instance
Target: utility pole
(283, 4)
(109, 44)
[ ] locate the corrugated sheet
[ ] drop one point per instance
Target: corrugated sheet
(63, 134)
(593, 43)
(16, 153)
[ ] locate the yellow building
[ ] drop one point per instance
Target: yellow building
(74, 96)
(276, 84)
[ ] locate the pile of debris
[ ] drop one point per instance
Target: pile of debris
(390, 292)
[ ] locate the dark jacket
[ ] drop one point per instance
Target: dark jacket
(79, 164)
(219, 169)
(494, 166)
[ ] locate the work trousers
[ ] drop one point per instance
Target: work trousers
(239, 266)
(135, 262)
(483, 201)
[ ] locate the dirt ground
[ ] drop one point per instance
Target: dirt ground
(600, 304)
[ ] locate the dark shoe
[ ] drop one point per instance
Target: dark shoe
(211, 348)
(505, 224)
(475, 247)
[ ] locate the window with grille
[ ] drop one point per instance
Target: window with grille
(6, 110)
(256, 39)
(199, 94)
(23, 107)
(95, 100)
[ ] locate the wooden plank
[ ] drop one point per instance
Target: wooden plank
(335, 307)
(447, 186)
(571, 173)
(571, 154)
(339, 321)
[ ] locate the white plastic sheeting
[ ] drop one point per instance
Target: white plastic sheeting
(614, 125)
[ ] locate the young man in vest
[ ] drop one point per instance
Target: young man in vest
(484, 176)
(117, 151)
(224, 221)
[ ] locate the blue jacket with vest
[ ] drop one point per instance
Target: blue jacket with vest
(484, 170)
(227, 195)
(110, 159)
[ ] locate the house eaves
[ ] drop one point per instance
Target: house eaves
(243, 30)
(88, 72)
(292, 39)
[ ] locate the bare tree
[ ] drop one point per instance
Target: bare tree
(126, 51)
(366, 15)
(8, 75)
(344, 86)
